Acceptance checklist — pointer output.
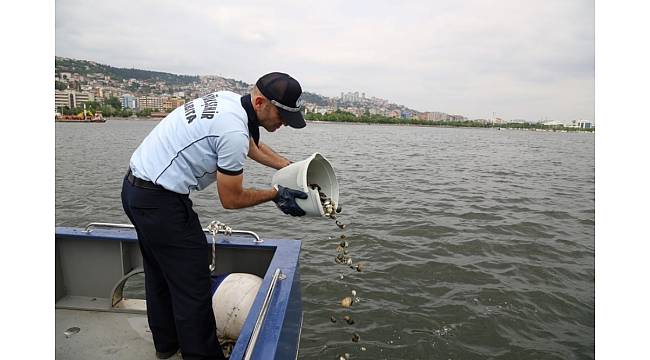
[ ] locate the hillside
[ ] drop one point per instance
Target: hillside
(147, 82)
(84, 67)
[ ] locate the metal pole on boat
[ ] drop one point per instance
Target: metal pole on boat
(208, 230)
(278, 275)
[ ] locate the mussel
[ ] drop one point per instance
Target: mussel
(346, 302)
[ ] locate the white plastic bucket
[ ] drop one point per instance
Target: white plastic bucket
(313, 170)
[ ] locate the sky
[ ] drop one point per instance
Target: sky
(513, 59)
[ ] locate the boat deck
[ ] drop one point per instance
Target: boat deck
(103, 335)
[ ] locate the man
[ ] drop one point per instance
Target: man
(205, 140)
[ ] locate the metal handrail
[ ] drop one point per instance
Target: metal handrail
(278, 275)
(246, 232)
(95, 224)
(130, 226)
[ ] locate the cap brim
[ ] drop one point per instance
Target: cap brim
(293, 119)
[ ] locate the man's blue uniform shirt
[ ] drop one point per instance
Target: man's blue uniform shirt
(184, 151)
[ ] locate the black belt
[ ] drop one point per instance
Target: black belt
(142, 183)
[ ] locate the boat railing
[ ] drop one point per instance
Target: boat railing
(89, 227)
(277, 275)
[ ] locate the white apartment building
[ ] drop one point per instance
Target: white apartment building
(71, 98)
(129, 101)
(585, 124)
(553, 123)
(150, 102)
(437, 116)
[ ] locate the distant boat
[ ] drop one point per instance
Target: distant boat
(97, 118)
(159, 114)
(81, 117)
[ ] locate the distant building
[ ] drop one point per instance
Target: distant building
(150, 102)
(172, 103)
(351, 97)
(354, 110)
(553, 123)
(71, 98)
(585, 124)
(394, 113)
(65, 76)
(436, 116)
(129, 102)
(83, 97)
(320, 110)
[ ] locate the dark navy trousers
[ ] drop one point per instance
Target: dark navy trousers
(177, 278)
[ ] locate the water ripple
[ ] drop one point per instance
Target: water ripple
(476, 244)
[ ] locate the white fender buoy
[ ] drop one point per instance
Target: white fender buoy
(232, 298)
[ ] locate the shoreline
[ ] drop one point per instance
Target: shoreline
(451, 126)
(385, 124)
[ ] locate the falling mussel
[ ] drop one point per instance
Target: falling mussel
(347, 302)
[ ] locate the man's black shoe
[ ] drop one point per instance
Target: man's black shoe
(166, 355)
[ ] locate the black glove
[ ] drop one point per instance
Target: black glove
(286, 201)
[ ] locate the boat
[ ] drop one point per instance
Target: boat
(94, 318)
(97, 117)
(81, 117)
(159, 114)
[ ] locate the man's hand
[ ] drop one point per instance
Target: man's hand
(286, 201)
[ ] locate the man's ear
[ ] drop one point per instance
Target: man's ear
(257, 102)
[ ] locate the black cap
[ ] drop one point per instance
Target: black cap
(283, 91)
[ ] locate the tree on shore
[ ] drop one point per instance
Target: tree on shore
(343, 116)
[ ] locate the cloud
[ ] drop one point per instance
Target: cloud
(521, 59)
